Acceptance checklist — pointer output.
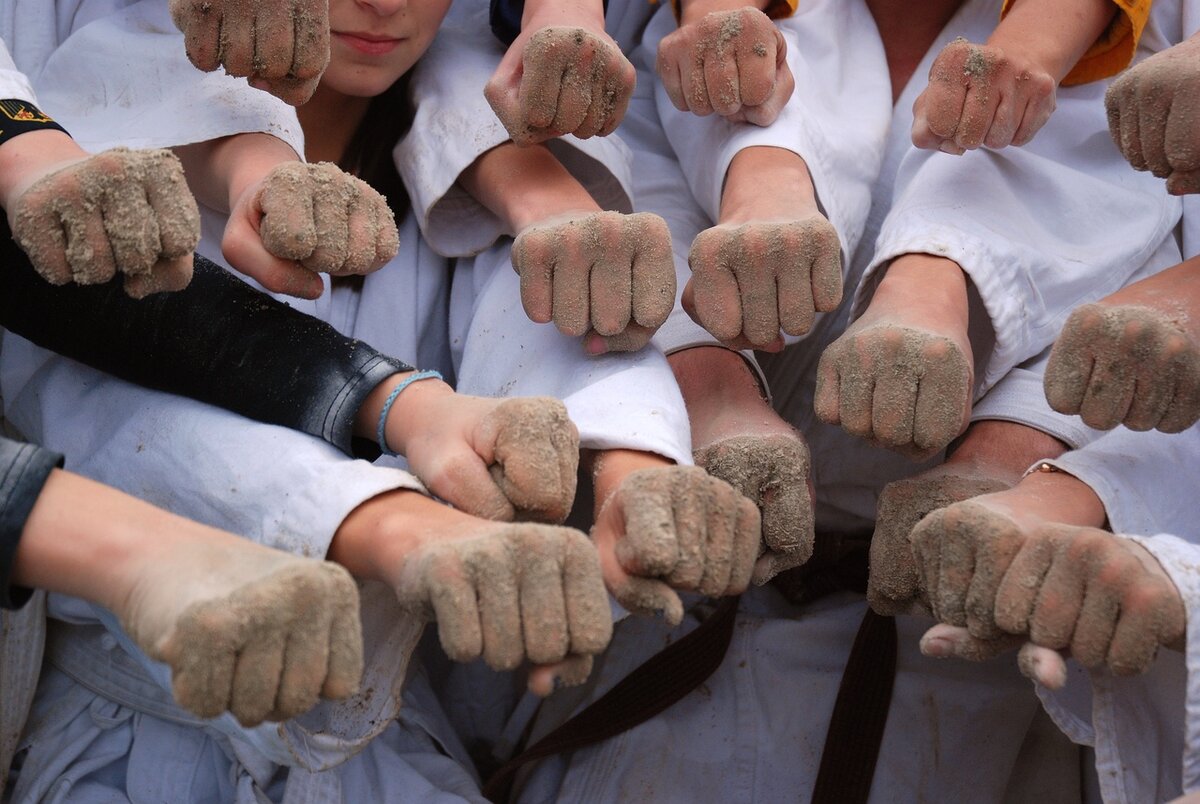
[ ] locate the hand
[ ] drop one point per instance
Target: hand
(1125, 364)
(773, 472)
(304, 219)
(604, 273)
(751, 281)
(561, 80)
(282, 46)
(1104, 597)
(1046, 667)
(893, 586)
(512, 593)
(85, 219)
(675, 528)
(1154, 116)
(500, 459)
(733, 63)
(982, 95)
(247, 629)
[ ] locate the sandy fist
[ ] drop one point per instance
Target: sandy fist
(282, 46)
(1103, 597)
(903, 388)
(1154, 116)
(675, 528)
(254, 631)
(980, 95)
(773, 473)
(522, 592)
(561, 81)
(893, 584)
(120, 211)
(606, 273)
(326, 220)
(1125, 365)
(750, 282)
(733, 63)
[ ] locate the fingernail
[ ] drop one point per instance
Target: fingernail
(936, 648)
(594, 345)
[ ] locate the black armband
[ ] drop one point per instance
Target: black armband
(24, 469)
(19, 117)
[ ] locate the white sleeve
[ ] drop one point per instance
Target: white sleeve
(1039, 229)
(125, 79)
(836, 120)
(13, 83)
(454, 125)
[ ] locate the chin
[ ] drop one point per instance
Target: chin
(358, 85)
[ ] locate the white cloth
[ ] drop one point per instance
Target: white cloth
(13, 83)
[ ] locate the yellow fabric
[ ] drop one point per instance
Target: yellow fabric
(1114, 50)
(776, 9)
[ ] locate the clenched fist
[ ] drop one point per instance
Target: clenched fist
(282, 46)
(605, 273)
(733, 63)
(752, 281)
(1125, 364)
(561, 80)
(120, 211)
(1154, 116)
(981, 95)
(304, 219)
(517, 592)
(675, 528)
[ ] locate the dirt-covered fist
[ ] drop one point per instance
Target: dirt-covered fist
(325, 219)
(1154, 115)
(772, 471)
(520, 592)
(733, 63)
(752, 281)
(1126, 365)
(896, 386)
(561, 80)
(604, 273)
(981, 95)
(121, 211)
(282, 46)
(893, 585)
(675, 527)
(256, 632)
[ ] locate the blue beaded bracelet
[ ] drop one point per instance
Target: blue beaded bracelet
(387, 406)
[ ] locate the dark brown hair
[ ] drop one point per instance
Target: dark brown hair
(369, 154)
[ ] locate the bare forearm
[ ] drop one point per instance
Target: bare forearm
(766, 183)
(523, 186)
(219, 171)
(1054, 35)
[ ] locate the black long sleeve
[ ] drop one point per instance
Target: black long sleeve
(218, 341)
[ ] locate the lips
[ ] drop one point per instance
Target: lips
(370, 44)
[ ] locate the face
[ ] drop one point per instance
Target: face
(375, 42)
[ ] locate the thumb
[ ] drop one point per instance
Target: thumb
(503, 93)
(647, 596)
(242, 245)
(1045, 666)
(952, 642)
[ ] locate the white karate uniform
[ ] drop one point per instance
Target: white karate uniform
(224, 470)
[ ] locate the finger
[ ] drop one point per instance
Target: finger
(302, 674)
(979, 109)
(715, 293)
(331, 216)
(993, 557)
(131, 227)
(1097, 621)
(857, 386)
(174, 207)
(670, 74)
(1069, 369)
(543, 605)
(544, 67)
(571, 672)
(826, 402)
(943, 396)
(361, 228)
(1134, 645)
(1152, 127)
(311, 50)
(650, 546)
(586, 599)
(88, 251)
(721, 77)
(1017, 595)
(1005, 121)
(533, 261)
(1184, 409)
(653, 288)
(494, 570)
(765, 114)
(1184, 182)
(572, 272)
(617, 95)
(611, 285)
(647, 596)
(1057, 607)
(633, 338)
(948, 641)
(691, 496)
(455, 607)
(201, 26)
(956, 569)
(826, 267)
(470, 484)
(275, 41)
(1114, 100)
(696, 87)
(1046, 667)
(1153, 377)
(1131, 139)
(1181, 140)
(894, 402)
(167, 276)
(755, 59)
(289, 219)
(237, 39)
(747, 536)
(204, 688)
(795, 283)
(345, 668)
(1037, 113)
(575, 94)
(532, 450)
(756, 282)
(947, 92)
(40, 234)
(1110, 389)
(922, 134)
(247, 254)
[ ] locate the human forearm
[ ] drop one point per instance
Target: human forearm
(1054, 35)
(766, 183)
(525, 185)
(25, 158)
(220, 171)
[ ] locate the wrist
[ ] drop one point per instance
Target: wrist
(374, 540)
(419, 402)
(788, 195)
(936, 280)
(25, 159)
(540, 14)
